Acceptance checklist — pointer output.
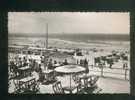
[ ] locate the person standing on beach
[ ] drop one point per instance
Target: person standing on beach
(97, 61)
(111, 62)
(125, 63)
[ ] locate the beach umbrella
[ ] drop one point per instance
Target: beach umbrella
(69, 69)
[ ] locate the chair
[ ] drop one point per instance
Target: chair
(92, 84)
(31, 87)
(34, 85)
(87, 84)
(57, 88)
(82, 84)
(37, 88)
(92, 80)
(41, 77)
(17, 88)
(75, 78)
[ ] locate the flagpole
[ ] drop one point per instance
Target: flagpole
(46, 46)
(47, 36)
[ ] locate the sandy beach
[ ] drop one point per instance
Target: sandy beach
(113, 77)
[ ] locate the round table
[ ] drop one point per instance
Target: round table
(70, 69)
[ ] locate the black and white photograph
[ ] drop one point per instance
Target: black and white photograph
(68, 52)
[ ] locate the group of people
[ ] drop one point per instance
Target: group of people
(18, 62)
(100, 61)
(83, 63)
(52, 64)
(111, 59)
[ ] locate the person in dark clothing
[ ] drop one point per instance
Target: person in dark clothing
(55, 62)
(33, 64)
(24, 61)
(15, 69)
(36, 67)
(103, 59)
(85, 62)
(97, 61)
(42, 59)
(77, 61)
(41, 75)
(110, 62)
(101, 67)
(30, 63)
(65, 62)
(86, 66)
(81, 62)
(19, 63)
(11, 66)
(40, 69)
(125, 64)
(50, 65)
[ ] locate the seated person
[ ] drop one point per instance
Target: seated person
(60, 63)
(81, 62)
(42, 59)
(36, 67)
(25, 62)
(19, 63)
(55, 62)
(50, 65)
(65, 62)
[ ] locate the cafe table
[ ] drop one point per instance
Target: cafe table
(24, 71)
(70, 69)
(49, 74)
(26, 79)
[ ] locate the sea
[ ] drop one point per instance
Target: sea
(100, 39)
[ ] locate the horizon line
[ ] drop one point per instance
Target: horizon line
(40, 34)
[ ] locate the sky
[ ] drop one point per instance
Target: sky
(69, 22)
